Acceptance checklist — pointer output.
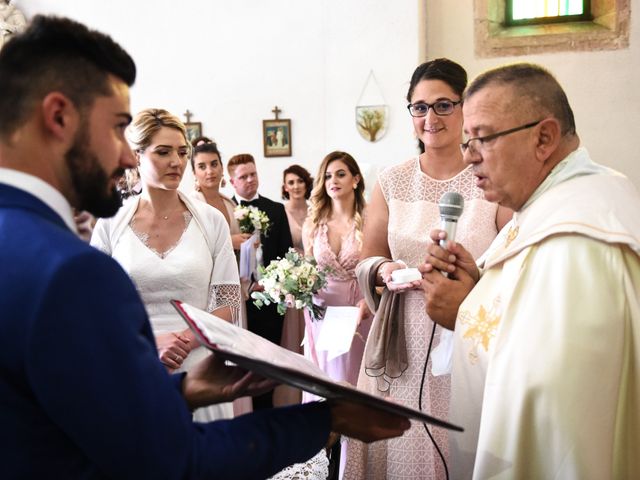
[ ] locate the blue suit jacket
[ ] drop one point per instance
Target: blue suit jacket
(82, 392)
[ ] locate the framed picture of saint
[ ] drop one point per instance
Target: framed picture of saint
(276, 135)
(194, 130)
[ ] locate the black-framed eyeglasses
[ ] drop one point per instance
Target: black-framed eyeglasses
(487, 138)
(441, 108)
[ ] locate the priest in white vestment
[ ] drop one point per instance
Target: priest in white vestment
(546, 364)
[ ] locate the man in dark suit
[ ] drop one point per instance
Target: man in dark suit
(82, 392)
(266, 321)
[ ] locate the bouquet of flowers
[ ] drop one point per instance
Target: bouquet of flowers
(251, 218)
(290, 282)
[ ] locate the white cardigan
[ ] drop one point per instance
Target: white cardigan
(211, 222)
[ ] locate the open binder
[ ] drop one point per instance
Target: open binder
(265, 358)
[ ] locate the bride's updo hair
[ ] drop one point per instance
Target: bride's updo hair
(145, 125)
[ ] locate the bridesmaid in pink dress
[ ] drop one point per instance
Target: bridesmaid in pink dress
(332, 234)
(296, 189)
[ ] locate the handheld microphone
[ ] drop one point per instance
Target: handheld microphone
(451, 206)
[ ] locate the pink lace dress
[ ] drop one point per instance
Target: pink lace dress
(412, 198)
(341, 290)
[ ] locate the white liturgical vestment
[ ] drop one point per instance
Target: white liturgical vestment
(546, 368)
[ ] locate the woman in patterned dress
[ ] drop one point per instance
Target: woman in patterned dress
(405, 200)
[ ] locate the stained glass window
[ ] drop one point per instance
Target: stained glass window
(546, 11)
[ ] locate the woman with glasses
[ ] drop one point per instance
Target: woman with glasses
(172, 247)
(402, 359)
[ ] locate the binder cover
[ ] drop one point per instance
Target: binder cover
(263, 357)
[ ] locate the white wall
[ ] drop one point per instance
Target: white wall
(603, 87)
(231, 61)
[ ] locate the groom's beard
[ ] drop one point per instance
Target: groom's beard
(90, 181)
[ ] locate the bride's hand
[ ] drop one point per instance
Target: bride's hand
(173, 348)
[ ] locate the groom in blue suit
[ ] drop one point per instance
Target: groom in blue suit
(82, 392)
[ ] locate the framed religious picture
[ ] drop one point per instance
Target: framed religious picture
(194, 130)
(276, 137)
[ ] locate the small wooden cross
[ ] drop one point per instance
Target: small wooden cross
(276, 111)
(188, 115)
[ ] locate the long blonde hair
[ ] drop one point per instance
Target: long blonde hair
(320, 201)
(139, 134)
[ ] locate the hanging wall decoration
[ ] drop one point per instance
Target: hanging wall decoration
(372, 112)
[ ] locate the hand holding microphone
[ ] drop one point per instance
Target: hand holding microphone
(444, 254)
(445, 258)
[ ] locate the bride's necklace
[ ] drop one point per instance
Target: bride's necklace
(169, 213)
(165, 215)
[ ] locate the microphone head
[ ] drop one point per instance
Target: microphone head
(451, 205)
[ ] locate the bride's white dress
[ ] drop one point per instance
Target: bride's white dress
(184, 272)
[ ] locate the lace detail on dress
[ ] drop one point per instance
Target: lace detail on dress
(412, 198)
(317, 468)
(343, 265)
(225, 295)
(408, 183)
(144, 237)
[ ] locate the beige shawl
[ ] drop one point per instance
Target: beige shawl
(385, 355)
